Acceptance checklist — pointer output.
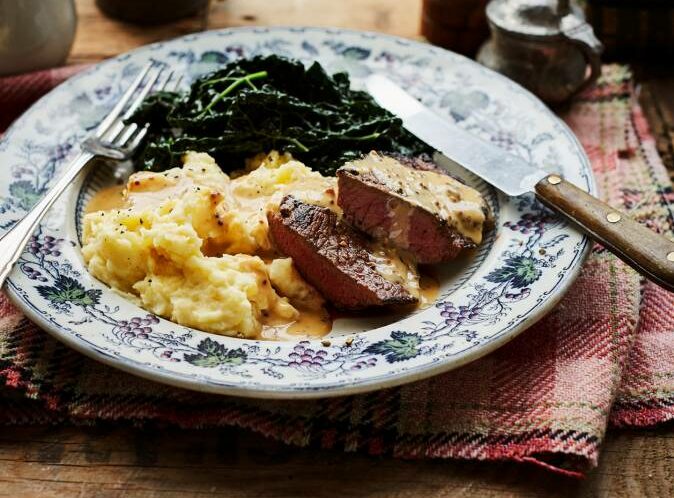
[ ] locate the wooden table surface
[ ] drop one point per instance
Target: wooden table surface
(113, 460)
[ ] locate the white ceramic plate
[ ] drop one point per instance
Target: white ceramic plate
(520, 272)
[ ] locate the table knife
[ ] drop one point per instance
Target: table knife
(649, 253)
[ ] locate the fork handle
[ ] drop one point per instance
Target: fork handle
(646, 251)
(15, 239)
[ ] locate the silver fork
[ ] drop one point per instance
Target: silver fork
(112, 139)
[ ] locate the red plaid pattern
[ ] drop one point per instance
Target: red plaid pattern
(604, 356)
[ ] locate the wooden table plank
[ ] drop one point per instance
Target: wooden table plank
(399, 17)
(115, 461)
(99, 37)
(657, 100)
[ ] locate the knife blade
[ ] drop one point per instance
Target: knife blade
(646, 251)
(507, 172)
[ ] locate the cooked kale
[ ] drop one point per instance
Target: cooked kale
(265, 103)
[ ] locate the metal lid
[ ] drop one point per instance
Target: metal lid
(537, 18)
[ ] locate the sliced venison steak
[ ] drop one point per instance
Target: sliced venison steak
(420, 210)
(336, 259)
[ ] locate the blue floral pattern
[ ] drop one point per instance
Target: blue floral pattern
(521, 270)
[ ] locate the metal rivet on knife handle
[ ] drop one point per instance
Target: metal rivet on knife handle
(554, 179)
(613, 217)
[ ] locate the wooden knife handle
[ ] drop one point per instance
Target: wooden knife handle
(647, 252)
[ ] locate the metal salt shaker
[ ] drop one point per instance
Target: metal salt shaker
(544, 45)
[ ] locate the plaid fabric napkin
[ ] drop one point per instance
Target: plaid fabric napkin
(604, 356)
(18, 92)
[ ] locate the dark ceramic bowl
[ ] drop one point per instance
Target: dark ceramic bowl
(150, 11)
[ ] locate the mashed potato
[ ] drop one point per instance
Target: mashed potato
(285, 278)
(190, 243)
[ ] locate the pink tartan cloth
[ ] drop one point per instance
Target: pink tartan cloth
(604, 357)
(20, 91)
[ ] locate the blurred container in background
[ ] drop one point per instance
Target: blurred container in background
(634, 28)
(545, 45)
(151, 11)
(35, 34)
(458, 25)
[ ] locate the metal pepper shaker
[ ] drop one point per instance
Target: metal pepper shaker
(545, 45)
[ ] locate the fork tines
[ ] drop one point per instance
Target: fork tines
(114, 138)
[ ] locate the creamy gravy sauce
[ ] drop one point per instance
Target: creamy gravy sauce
(147, 189)
(429, 289)
(310, 324)
(106, 199)
(141, 193)
(400, 214)
(390, 266)
(313, 324)
(319, 191)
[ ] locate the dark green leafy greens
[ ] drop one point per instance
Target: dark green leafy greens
(264, 103)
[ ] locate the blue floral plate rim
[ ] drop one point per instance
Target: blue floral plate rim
(399, 348)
